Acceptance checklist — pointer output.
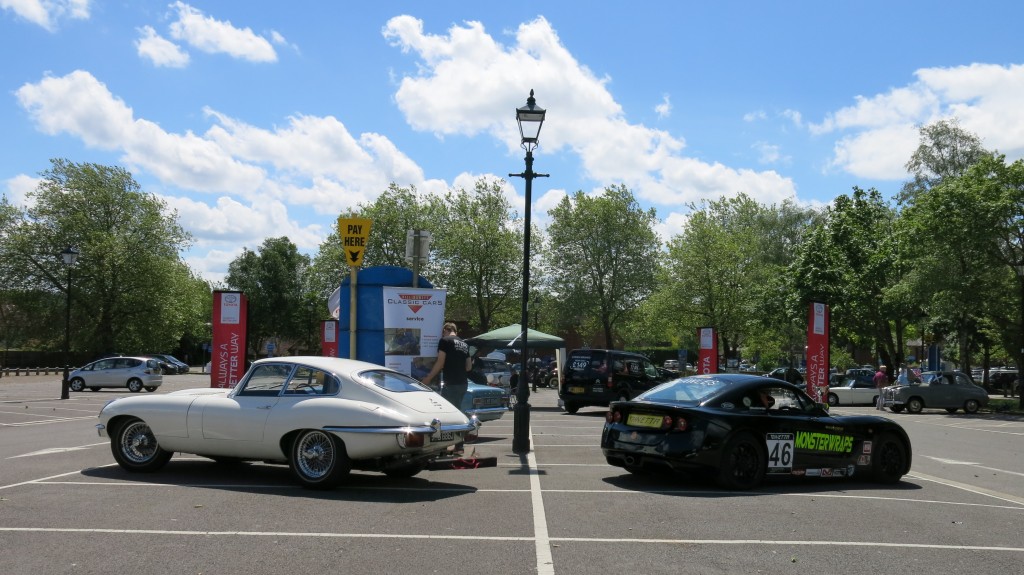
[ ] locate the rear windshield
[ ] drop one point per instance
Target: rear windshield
(586, 365)
(392, 381)
(686, 391)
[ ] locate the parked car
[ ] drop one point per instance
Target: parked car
(857, 387)
(170, 364)
(600, 376)
(949, 390)
(322, 416)
(1000, 381)
(741, 429)
(492, 372)
(672, 364)
(134, 373)
(485, 402)
(786, 374)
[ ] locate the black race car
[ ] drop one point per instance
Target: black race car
(741, 428)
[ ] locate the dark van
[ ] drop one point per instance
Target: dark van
(600, 376)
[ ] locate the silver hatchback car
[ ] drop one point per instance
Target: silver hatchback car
(135, 373)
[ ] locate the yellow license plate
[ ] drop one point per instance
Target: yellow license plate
(575, 390)
(643, 420)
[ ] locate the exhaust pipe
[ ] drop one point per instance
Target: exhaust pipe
(630, 460)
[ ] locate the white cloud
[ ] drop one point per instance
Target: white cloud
(882, 130)
(794, 116)
(46, 13)
(769, 153)
(159, 50)
(489, 80)
(755, 116)
(216, 37)
(18, 188)
(664, 109)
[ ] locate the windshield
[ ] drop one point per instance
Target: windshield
(687, 391)
(393, 381)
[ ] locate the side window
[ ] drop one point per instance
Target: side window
(961, 379)
(104, 364)
(309, 381)
(128, 362)
(267, 379)
(650, 371)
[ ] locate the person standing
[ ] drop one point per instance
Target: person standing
(881, 380)
(453, 363)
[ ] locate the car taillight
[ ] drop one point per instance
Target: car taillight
(613, 416)
(681, 424)
(666, 422)
(407, 440)
(610, 383)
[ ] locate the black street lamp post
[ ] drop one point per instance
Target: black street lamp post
(70, 256)
(530, 118)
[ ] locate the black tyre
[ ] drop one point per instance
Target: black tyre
(623, 395)
(897, 409)
(915, 405)
(94, 389)
(743, 464)
(971, 406)
(134, 385)
(318, 459)
(150, 388)
(951, 410)
(833, 399)
(136, 449)
(889, 460)
(76, 384)
(571, 408)
(406, 471)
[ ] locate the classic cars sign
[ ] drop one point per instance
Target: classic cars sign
(413, 318)
(227, 363)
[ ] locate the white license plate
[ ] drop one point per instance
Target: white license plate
(442, 436)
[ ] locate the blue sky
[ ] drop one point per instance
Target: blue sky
(261, 118)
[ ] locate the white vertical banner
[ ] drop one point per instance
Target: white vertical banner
(413, 318)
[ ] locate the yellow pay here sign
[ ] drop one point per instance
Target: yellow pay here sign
(354, 232)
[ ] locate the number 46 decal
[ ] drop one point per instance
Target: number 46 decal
(780, 452)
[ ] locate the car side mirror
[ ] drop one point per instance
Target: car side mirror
(822, 406)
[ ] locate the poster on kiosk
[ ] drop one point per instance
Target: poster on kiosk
(707, 353)
(329, 338)
(227, 363)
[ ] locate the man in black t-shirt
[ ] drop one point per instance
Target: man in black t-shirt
(454, 363)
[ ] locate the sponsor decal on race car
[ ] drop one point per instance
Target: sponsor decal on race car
(866, 448)
(824, 442)
(864, 460)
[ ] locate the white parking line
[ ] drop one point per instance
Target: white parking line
(548, 569)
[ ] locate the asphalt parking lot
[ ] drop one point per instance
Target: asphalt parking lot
(65, 507)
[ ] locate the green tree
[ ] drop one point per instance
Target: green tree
(129, 282)
(946, 151)
(393, 213)
(849, 263)
(477, 251)
(602, 255)
(272, 281)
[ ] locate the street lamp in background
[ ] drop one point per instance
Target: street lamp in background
(70, 256)
(530, 118)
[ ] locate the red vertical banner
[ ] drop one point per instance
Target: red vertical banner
(329, 338)
(227, 362)
(707, 351)
(817, 351)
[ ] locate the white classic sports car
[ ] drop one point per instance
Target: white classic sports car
(322, 416)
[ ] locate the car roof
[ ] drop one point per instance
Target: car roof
(337, 365)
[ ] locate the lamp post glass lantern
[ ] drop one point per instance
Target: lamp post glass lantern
(70, 256)
(530, 118)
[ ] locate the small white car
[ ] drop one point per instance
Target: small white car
(323, 416)
(135, 373)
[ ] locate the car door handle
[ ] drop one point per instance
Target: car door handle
(264, 407)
